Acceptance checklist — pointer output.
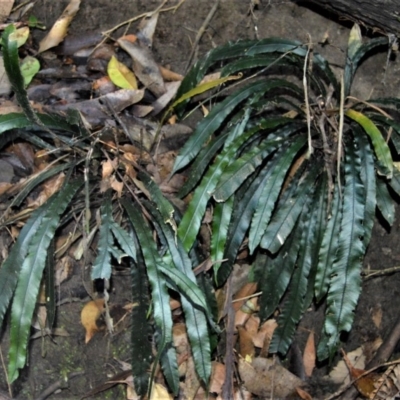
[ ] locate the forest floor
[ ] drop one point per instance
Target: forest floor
(377, 311)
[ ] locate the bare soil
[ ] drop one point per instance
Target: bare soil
(53, 358)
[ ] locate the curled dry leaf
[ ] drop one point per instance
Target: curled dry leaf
(144, 66)
(48, 189)
(96, 111)
(89, 315)
(59, 30)
(116, 185)
(366, 385)
(108, 167)
(171, 89)
(266, 378)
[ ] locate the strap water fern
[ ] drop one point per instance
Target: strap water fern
(308, 216)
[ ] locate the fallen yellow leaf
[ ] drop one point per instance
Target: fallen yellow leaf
(89, 315)
(160, 393)
(59, 29)
(121, 75)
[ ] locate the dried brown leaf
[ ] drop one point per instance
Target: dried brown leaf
(303, 394)
(144, 66)
(116, 185)
(217, 377)
(4, 187)
(309, 356)
(264, 336)
(5, 9)
(246, 345)
(48, 189)
(242, 295)
(264, 377)
(108, 167)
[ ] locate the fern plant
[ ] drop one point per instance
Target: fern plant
(158, 268)
(295, 166)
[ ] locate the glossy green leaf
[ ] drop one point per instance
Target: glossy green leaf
(388, 122)
(124, 240)
(385, 202)
(169, 365)
(345, 283)
(245, 203)
(368, 178)
(11, 65)
(285, 218)
(196, 320)
(31, 274)
(191, 221)
(217, 116)
(201, 163)
(159, 292)
(293, 307)
(141, 330)
(10, 269)
(278, 167)
(163, 205)
(381, 148)
(101, 268)
(220, 224)
(279, 270)
(50, 286)
(320, 203)
(231, 50)
(238, 170)
(17, 120)
(329, 247)
(394, 183)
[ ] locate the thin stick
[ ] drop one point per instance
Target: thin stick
(340, 138)
(200, 33)
(307, 104)
(5, 373)
(344, 388)
(144, 15)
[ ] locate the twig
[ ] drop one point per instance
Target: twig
(381, 272)
(307, 103)
(60, 384)
(200, 33)
(227, 388)
(5, 373)
(347, 386)
(144, 15)
(340, 138)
